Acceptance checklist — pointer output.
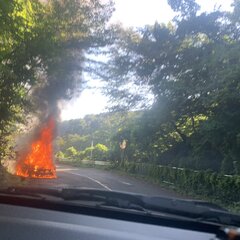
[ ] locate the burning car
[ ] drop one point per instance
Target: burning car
(38, 162)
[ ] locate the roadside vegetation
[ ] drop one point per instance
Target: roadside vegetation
(9, 180)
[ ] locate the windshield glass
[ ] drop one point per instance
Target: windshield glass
(132, 96)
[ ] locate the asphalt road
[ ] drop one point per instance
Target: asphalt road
(101, 179)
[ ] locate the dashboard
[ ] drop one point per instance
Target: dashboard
(23, 223)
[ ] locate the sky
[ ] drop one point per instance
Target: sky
(134, 13)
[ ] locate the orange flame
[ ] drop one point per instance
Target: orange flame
(38, 163)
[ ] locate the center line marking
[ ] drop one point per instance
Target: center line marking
(94, 180)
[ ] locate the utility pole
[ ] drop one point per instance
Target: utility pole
(91, 150)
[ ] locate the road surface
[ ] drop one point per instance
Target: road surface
(101, 179)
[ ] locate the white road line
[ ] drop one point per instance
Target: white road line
(94, 180)
(126, 183)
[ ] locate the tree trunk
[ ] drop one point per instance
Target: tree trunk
(183, 136)
(193, 124)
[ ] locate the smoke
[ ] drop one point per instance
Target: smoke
(57, 82)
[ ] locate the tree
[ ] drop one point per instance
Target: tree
(191, 67)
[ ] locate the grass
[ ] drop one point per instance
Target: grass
(9, 180)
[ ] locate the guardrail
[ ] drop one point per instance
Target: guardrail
(86, 162)
(224, 188)
(182, 169)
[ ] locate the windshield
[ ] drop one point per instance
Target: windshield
(130, 96)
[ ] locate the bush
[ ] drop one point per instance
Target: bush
(71, 152)
(99, 152)
(60, 155)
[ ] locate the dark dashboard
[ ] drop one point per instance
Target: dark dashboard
(42, 213)
(23, 223)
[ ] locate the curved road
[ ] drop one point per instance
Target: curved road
(101, 179)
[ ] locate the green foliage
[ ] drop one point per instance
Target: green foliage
(104, 129)
(60, 155)
(71, 152)
(81, 134)
(100, 152)
(102, 148)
